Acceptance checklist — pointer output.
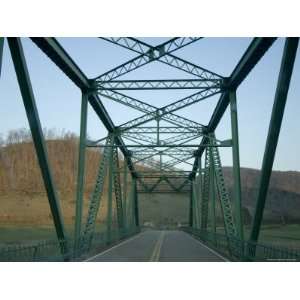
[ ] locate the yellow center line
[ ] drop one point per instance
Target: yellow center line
(156, 251)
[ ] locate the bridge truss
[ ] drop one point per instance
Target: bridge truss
(145, 154)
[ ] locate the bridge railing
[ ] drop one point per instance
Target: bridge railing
(238, 250)
(50, 250)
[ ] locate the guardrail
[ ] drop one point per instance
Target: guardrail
(50, 250)
(238, 250)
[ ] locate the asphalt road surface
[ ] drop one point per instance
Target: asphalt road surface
(156, 245)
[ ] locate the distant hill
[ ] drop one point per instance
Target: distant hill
(23, 198)
(283, 199)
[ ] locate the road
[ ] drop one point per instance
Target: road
(156, 245)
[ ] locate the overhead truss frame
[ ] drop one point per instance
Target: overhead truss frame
(180, 142)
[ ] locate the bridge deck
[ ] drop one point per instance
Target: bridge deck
(155, 245)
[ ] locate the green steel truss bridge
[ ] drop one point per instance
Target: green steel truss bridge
(146, 154)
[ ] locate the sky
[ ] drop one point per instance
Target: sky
(58, 99)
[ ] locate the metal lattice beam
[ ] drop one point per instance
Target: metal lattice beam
(145, 58)
(170, 59)
(166, 84)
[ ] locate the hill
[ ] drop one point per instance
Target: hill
(23, 199)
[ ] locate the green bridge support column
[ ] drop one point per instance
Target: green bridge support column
(130, 208)
(136, 205)
(199, 189)
(191, 207)
(110, 196)
(19, 61)
(125, 175)
(195, 204)
(212, 194)
(81, 169)
(236, 166)
(286, 69)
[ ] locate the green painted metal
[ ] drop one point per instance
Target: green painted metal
(19, 61)
(237, 194)
(95, 198)
(264, 252)
(166, 57)
(212, 195)
(230, 228)
(109, 214)
(196, 204)
(253, 54)
(163, 84)
(144, 107)
(283, 83)
(136, 204)
(173, 107)
(117, 188)
(199, 189)
(144, 58)
(142, 48)
(81, 169)
(205, 193)
(191, 207)
(52, 48)
(125, 200)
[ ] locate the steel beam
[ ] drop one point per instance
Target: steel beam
(136, 204)
(253, 54)
(125, 200)
(172, 107)
(147, 108)
(169, 58)
(60, 57)
(109, 213)
(142, 48)
(191, 207)
(223, 144)
(163, 84)
(212, 194)
(153, 54)
(81, 169)
(37, 133)
(283, 83)
(237, 193)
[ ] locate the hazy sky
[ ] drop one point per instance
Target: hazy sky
(58, 99)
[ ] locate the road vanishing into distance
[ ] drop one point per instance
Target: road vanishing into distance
(159, 245)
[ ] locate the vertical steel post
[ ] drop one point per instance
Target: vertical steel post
(37, 133)
(212, 194)
(131, 205)
(199, 189)
(81, 168)
(195, 201)
(237, 194)
(125, 194)
(191, 221)
(1, 52)
(136, 207)
(285, 74)
(158, 141)
(110, 195)
(194, 205)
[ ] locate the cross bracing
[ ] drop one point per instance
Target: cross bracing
(155, 145)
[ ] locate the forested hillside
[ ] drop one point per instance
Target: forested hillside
(23, 198)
